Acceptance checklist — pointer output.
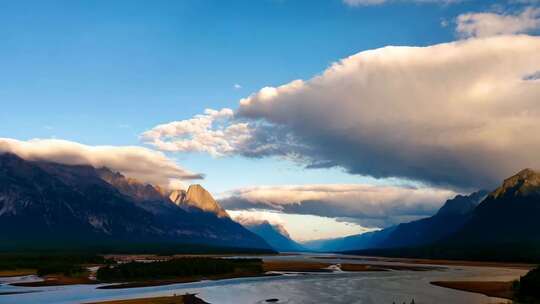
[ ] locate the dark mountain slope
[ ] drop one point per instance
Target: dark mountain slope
(509, 215)
(505, 226)
(450, 218)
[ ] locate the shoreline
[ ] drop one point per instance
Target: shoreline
(17, 273)
(174, 299)
(56, 280)
(495, 289)
(179, 281)
(441, 262)
(272, 268)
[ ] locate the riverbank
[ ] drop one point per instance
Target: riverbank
(491, 289)
(181, 280)
(57, 280)
(182, 299)
(274, 268)
(524, 266)
(17, 272)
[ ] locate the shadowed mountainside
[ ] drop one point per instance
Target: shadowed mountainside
(450, 217)
(503, 227)
(47, 205)
(509, 216)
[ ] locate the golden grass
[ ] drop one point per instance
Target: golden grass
(182, 299)
(159, 300)
(488, 288)
(17, 272)
(57, 280)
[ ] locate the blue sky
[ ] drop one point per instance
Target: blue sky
(103, 72)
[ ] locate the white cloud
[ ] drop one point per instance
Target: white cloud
(144, 164)
(370, 205)
(444, 23)
(490, 24)
(378, 2)
(452, 114)
(363, 2)
(300, 227)
(213, 133)
(236, 86)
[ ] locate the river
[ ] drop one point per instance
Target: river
(338, 287)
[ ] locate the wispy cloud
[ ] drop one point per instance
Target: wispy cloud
(213, 132)
(379, 2)
(491, 24)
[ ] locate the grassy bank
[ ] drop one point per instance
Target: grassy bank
(182, 299)
(491, 289)
(45, 264)
(178, 270)
(524, 290)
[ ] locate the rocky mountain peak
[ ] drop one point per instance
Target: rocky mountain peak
(196, 196)
(525, 182)
(177, 196)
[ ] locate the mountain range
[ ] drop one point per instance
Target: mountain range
(500, 225)
(51, 206)
(450, 217)
(45, 205)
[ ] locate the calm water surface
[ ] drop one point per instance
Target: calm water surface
(344, 287)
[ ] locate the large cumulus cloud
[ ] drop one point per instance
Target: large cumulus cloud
(368, 205)
(142, 163)
(463, 114)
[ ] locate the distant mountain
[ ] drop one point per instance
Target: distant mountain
(275, 235)
(47, 205)
(354, 242)
(197, 197)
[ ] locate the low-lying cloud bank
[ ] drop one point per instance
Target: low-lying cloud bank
(368, 205)
(142, 163)
(301, 227)
(453, 114)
